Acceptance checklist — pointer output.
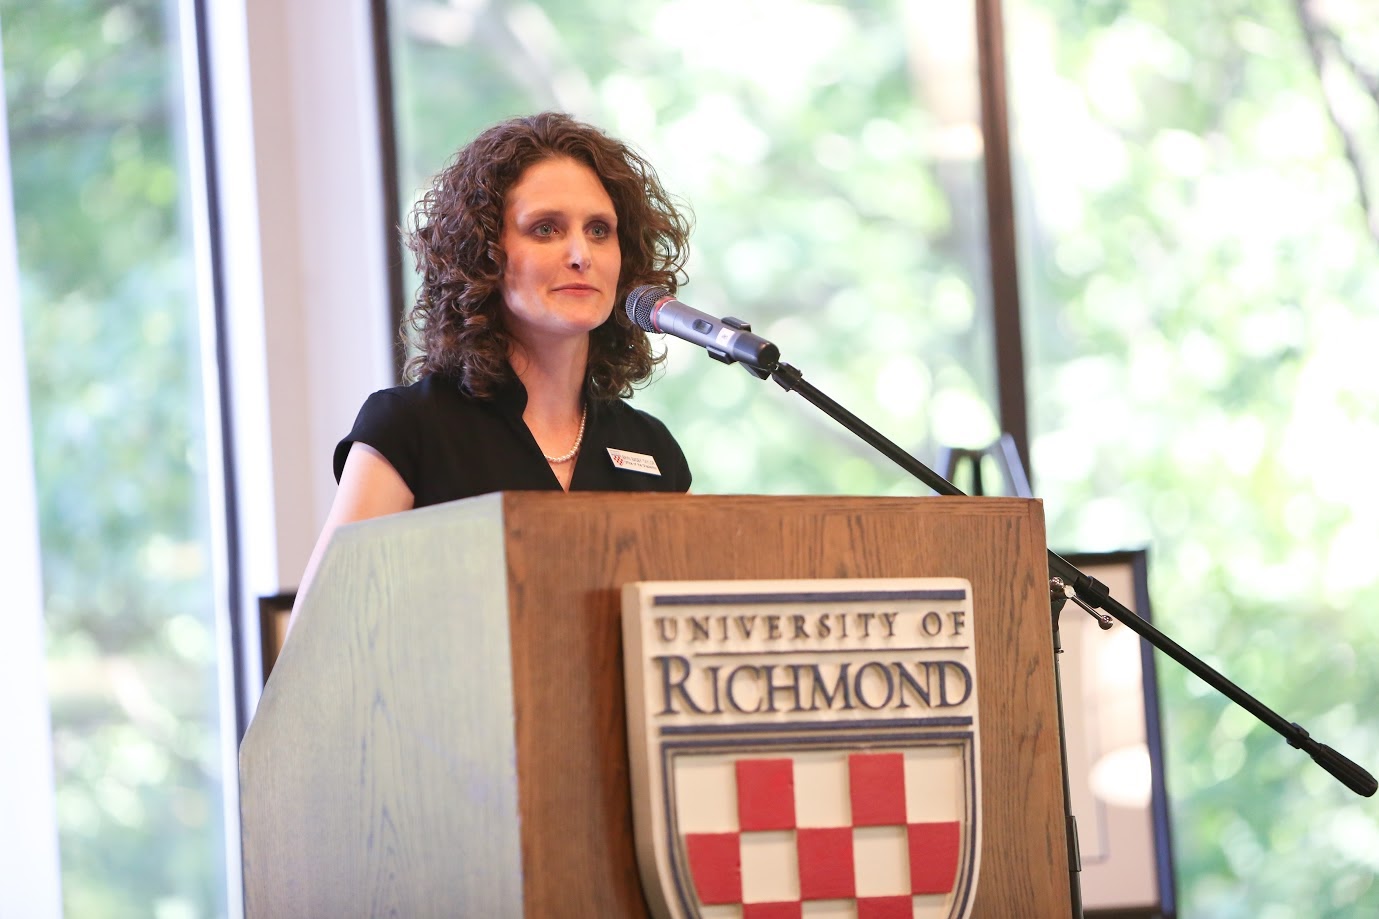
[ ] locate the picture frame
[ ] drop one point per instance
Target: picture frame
(274, 614)
(1114, 740)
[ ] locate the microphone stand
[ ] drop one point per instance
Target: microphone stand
(1066, 582)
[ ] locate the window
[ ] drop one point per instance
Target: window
(832, 155)
(109, 221)
(1199, 273)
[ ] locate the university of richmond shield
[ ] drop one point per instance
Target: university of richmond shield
(804, 748)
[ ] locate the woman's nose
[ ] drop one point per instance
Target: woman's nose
(579, 254)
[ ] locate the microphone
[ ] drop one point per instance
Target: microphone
(655, 309)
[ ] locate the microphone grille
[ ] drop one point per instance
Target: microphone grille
(640, 301)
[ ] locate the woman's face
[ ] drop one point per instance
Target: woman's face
(560, 237)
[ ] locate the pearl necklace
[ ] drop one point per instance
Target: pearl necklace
(579, 439)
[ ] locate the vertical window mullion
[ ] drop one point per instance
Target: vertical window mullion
(1005, 289)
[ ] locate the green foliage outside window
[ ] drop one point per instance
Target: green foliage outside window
(1200, 278)
(832, 156)
(112, 350)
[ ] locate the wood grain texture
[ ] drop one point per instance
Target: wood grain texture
(378, 776)
(568, 557)
(456, 667)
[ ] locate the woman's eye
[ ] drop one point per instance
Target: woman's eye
(544, 229)
(601, 231)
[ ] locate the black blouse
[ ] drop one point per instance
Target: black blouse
(448, 445)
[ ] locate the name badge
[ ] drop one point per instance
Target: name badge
(634, 462)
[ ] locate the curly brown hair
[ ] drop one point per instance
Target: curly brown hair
(456, 231)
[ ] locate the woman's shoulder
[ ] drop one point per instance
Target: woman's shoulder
(398, 421)
(620, 412)
(396, 415)
(635, 426)
(431, 392)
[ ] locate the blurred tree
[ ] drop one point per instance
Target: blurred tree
(97, 146)
(1349, 80)
(1199, 281)
(838, 170)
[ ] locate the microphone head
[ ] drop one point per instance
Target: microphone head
(640, 302)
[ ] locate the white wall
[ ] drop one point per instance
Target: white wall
(303, 221)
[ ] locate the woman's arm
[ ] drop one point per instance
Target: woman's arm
(369, 487)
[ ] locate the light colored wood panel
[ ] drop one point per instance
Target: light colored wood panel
(372, 785)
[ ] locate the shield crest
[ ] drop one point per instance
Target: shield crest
(804, 748)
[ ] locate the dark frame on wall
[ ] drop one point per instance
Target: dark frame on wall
(274, 615)
(1127, 852)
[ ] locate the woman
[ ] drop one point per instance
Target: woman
(525, 244)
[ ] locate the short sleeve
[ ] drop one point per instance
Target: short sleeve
(683, 478)
(669, 449)
(386, 424)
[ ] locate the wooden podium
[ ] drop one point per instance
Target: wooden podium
(444, 732)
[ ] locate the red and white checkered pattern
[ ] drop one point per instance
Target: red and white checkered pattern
(828, 834)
